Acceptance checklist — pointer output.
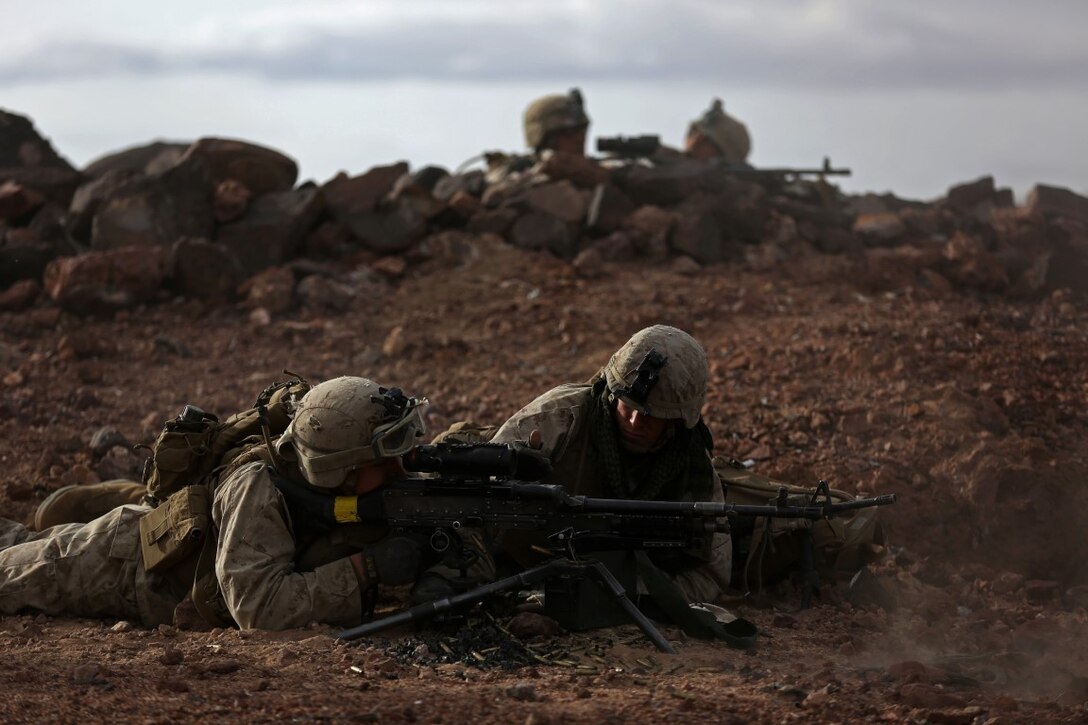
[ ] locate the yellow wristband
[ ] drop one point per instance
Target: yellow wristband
(345, 509)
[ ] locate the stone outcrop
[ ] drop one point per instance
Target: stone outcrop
(211, 214)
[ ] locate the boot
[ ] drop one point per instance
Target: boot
(83, 503)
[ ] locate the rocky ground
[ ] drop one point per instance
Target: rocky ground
(867, 368)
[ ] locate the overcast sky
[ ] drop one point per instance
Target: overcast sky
(912, 95)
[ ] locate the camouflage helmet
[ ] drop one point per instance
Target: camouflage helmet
(728, 134)
(553, 113)
(661, 371)
(347, 422)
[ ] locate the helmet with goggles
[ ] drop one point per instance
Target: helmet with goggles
(662, 372)
(345, 423)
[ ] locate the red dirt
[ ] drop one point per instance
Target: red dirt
(969, 407)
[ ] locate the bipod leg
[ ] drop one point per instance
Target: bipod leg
(810, 578)
(428, 610)
(612, 585)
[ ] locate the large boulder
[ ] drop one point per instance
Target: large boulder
(156, 210)
(90, 197)
(698, 234)
(1057, 201)
(24, 262)
(347, 197)
(965, 197)
(104, 281)
(470, 182)
(394, 228)
(608, 208)
(28, 159)
(149, 159)
(262, 170)
(560, 199)
(650, 228)
(204, 270)
(380, 220)
(272, 229)
(541, 230)
(17, 202)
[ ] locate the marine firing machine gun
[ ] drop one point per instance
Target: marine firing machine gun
(477, 487)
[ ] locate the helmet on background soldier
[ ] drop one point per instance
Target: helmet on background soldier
(553, 114)
(662, 372)
(348, 422)
(728, 135)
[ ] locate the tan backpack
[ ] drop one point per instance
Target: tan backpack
(772, 548)
(194, 443)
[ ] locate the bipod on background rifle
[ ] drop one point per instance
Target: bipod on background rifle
(809, 576)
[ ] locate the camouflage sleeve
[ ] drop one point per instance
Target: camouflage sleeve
(254, 562)
(707, 582)
(555, 414)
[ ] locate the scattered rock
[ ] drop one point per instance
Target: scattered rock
(882, 228)
(273, 290)
(231, 200)
(324, 294)
(20, 295)
(868, 590)
(105, 281)
(524, 691)
(928, 697)
(171, 656)
(1041, 592)
(527, 625)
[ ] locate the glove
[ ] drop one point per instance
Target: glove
(431, 587)
(530, 464)
(393, 560)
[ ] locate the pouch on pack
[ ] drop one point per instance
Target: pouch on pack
(194, 443)
(175, 530)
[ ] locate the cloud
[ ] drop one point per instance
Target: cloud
(832, 44)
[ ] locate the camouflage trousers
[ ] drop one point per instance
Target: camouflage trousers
(83, 570)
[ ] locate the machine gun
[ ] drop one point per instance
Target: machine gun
(645, 146)
(476, 491)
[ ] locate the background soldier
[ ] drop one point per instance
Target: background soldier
(556, 123)
(717, 135)
(346, 438)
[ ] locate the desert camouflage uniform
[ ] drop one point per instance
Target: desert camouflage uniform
(560, 415)
(97, 570)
